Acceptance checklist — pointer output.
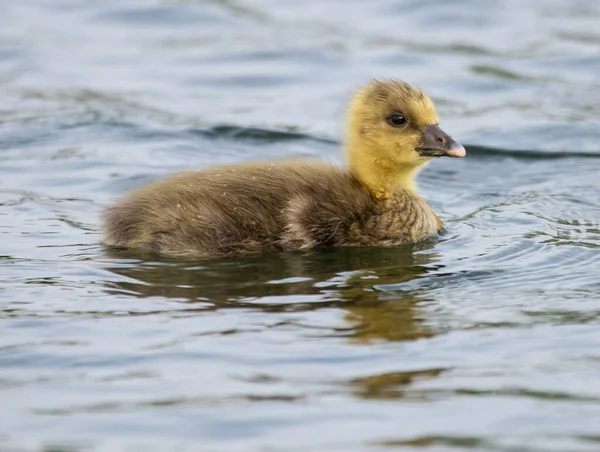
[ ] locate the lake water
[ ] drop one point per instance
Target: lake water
(486, 340)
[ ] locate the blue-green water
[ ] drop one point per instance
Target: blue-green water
(487, 340)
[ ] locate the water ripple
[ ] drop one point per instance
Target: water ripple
(484, 339)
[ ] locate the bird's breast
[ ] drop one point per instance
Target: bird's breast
(406, 217)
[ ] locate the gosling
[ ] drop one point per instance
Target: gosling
(233, 210)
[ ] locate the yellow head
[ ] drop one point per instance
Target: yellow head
(393, 130)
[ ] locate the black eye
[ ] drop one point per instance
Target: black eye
(397, 119)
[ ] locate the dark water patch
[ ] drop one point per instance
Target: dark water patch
(497, 72)
(516, 392)
(160, 15)
(425, 442)
(490, 152)
(394, 385)
(256, 135)
(108, 407)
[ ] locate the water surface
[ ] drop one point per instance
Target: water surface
(486, 339)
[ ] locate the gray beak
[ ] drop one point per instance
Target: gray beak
(437, 143)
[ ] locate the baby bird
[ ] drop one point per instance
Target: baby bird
(292, 205)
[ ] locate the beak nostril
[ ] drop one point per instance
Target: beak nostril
(440, 139)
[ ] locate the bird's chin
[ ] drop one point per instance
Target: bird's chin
(431, 154)
(424, 160)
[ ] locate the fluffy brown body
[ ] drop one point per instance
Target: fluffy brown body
(294, 205)
(263, 208)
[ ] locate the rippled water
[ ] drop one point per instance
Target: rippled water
(486, 340)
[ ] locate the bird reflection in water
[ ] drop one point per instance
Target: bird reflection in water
(355, 280)
(346, 278)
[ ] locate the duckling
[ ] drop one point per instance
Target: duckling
(392, 132)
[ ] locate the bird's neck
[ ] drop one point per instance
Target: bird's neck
(384, 179)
